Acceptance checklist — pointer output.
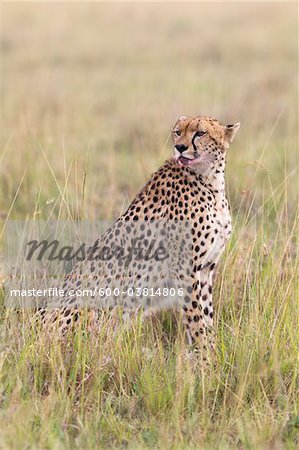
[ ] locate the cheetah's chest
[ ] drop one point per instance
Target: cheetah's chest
(214, 224)
(224, 226)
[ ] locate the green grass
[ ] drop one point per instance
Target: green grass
(139, 389)
(86, 110)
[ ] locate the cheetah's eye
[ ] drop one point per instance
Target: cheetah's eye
(178, 132)
(200, 133)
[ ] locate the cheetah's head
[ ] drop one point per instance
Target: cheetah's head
(201, 142)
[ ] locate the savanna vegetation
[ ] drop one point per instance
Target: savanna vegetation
(89, 92)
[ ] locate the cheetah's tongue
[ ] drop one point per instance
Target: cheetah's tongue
(185, 161)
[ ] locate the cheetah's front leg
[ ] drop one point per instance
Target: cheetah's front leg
(198, 312)
(205, 278)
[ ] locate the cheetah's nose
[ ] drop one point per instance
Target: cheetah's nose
(181, 148)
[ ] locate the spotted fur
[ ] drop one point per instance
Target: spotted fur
(189, 186)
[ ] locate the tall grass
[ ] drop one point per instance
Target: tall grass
(138, 388)
(86, 111)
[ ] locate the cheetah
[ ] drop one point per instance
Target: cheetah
(188, 187)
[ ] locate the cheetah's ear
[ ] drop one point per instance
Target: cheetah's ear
(179, 119)
(231, 131)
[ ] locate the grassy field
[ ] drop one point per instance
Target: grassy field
(89, 93)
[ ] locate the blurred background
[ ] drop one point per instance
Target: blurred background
(90, 91)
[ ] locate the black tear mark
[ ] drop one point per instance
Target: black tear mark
(197, 134)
